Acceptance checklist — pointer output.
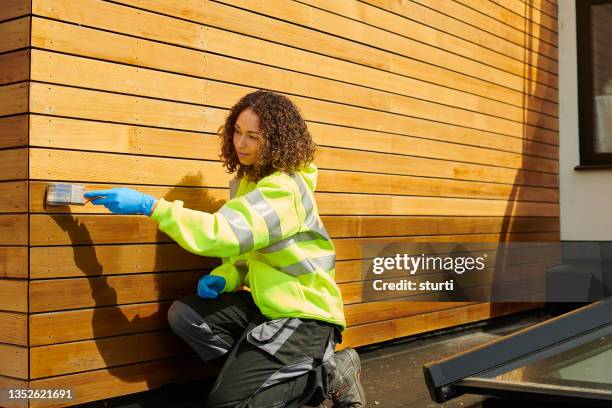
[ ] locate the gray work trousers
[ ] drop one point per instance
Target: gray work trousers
(284, 362)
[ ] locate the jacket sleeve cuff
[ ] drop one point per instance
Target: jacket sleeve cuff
(161, 209)
(231, 275)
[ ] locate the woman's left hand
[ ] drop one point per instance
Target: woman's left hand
(123, 200)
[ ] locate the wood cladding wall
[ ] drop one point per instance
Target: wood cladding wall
(435, 121)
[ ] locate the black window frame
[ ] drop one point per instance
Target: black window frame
(588, 157)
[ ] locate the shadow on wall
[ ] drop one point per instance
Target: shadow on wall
(123, 339)
(533, 141)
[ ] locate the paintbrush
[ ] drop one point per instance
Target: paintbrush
(65, 194)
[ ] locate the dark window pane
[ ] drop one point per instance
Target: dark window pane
(601, 49)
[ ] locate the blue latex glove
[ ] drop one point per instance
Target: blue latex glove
(209, 286)
(123, 200)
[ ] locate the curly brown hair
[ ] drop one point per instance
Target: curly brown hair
(287, 143)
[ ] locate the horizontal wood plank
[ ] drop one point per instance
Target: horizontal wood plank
(453, 129)
(13, 164)
(80, 103)
(13, 262)
(437, 35)
(62, 37)
(15, 8)
(14, 67)
(351, 248)
(63, 69)
(47, 164)
(63, 133)
(88, 229)
(14, 34)
(372, 226)
(14, 328)
(65, 358)
(13, 229)
(9, 383)
(14, 130)
(59, 165)
(50, 262)
(13, 98)
(392, 329)
(77, 261)
(498, 14)
(13, 196)
(473, 33)
(83, 324)
(108, 229)
(466, 59)
(73, 293)
(211, 199)
(14, 295)
(106, 383)
(362, 313)
(13, 361)
(482, 24)
(47, 131)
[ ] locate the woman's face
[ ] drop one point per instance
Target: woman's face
(247, 139)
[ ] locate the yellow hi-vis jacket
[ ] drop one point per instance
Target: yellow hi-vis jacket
(271, 239)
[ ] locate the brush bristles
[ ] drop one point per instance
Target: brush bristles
(65, 194)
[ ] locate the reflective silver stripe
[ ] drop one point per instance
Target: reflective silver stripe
(215, 345)
(329, 350)
(259, 204)
(299, 237)
(233, 187)
(311, 221)
(190, 326)
(240, 227)
(287, 372)
(310, 265)
(262, 333)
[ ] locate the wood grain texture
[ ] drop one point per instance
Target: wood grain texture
(15, 8)
(13, 262)
(13, 196)
(392, 329)
(111, 229)
(350, 248)
(13, 361)
(456, 18)
(72, 293)
(13, 229)
(65, 358)
(61, 37)
(14, 67)
(7, 383)
(14, 328)
(110, 167)
(76, 261)
(63, 69)
(13, 98)
(84, 324)
(14, 295)
(14, 34)
(455, 140)
(62, 165)
(133, 378)
(14, 131)
(13, 164)
(81, 103)
(497, 70)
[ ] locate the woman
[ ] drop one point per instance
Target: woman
(278, 337)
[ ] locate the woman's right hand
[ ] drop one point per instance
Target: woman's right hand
(209, 286)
